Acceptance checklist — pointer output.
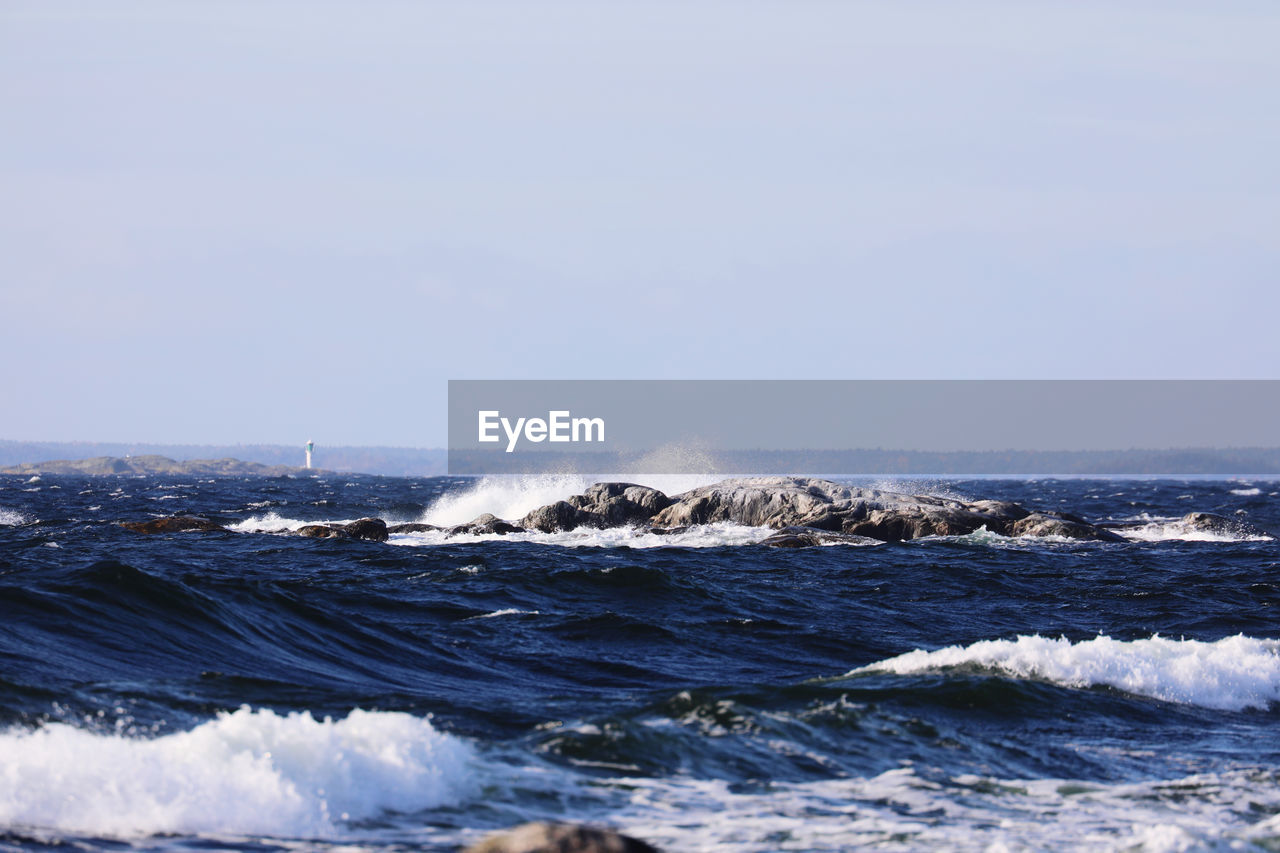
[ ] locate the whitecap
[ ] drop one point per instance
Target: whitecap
(243, 773)
(1233, 673)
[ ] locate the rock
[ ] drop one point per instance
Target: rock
(1220, 525)
(807, 537)
(373, 529)
(560, 515)
(602, 505)
(756, 501)
(322, 531)
(413, 527)
(486, 524)
(819, 505)
(173, 524)
(1042, 524)
(560, 838)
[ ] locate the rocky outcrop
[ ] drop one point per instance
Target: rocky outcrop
(602, 505)
(560, 838)
(813, 506)
(173, 524)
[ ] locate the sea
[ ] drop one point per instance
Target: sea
(262, 691)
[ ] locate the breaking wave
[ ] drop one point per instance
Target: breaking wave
(243, 773)
(1233, 674)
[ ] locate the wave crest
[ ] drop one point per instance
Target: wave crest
(243, 773)
(1232, 674)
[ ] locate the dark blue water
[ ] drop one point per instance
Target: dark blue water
(257, 689)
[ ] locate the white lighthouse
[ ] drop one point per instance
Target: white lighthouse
(311, 445)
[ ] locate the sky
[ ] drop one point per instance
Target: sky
(267, 222)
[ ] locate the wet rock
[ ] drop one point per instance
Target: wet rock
(322, 531)
(781, 502)
(486, 524)
(602, 505)
(173, 524)
(560, 838)
(412, 527)
(1069, 527)
(808, 537)
(560, 515)
(1220, 525)
(373, 529)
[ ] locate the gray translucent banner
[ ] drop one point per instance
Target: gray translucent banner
(955, 427)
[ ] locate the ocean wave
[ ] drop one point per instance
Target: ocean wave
(272, 522)
(1248, 493)
(513, 497)
(243, 773)
(1234, 673)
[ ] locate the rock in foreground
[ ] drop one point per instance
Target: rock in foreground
(560, 838)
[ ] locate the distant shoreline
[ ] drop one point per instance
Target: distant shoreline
(102, 466)
(387, 461)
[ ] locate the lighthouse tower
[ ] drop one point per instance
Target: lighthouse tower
(311, 445)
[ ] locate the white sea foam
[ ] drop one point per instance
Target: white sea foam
(1233, 673)
(11, 517)
(242, 773)
(697, 536)
(1246, 492)
(902, 810)
(512, 497)
(272, 523)
(510, 611)
(1167, 529)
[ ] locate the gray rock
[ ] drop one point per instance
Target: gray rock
(808, 537)
(412, 527)
(1220, 525)
(1043, 524)
(322, 531)
(820, 505)
(560, 838)
(173, 524)
(486, 524)
(560, 515)
(602, 505)
(373, 529)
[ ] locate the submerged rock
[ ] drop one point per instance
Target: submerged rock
(560, 838)
(173, 524)
(413, 527)
(808, 537)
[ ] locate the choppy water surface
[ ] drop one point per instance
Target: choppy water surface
(256, 689)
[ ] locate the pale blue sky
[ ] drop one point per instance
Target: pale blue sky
(267, 222)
